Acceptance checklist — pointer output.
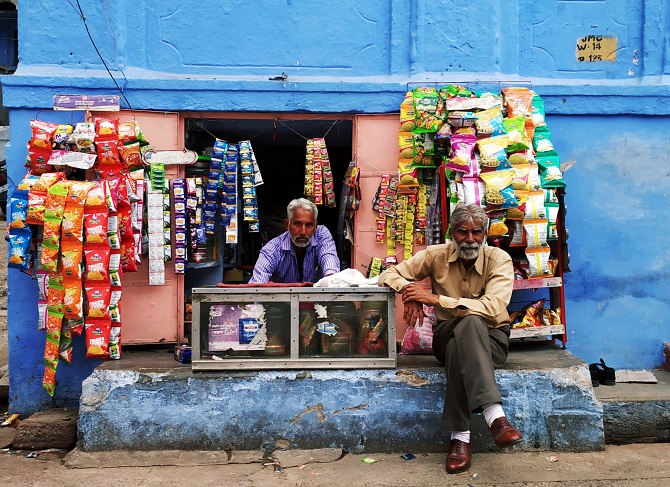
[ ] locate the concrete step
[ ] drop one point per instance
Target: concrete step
(636, 412)
(148, 401)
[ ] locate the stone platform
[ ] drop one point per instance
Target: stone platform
(148, 401)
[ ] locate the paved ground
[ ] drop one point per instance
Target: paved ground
(636, 465)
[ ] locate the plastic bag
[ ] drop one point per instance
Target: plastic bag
(419, 338)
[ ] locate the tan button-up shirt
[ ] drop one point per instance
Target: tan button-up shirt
(484, 290)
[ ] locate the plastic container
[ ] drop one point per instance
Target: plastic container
(343, 316)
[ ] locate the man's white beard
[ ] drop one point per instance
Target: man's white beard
(300, 244)
(468, 251)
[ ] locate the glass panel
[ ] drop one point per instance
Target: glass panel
(244, 329)
(343, 329)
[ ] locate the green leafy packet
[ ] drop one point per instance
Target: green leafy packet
(426, 101)
(550, 171)
(516, 131)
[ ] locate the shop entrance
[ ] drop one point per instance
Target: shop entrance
(279, 144)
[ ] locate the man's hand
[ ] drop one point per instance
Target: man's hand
(415, 292)
(413, 311)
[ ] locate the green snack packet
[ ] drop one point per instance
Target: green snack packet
(516, 131)
(542, 141)
(550, 171)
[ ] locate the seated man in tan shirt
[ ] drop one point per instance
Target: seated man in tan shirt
(472, 285)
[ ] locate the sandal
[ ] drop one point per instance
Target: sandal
(602, 374)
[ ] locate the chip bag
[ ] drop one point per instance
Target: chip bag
(97, 337)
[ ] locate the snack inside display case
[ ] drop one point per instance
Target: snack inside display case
(289, 328)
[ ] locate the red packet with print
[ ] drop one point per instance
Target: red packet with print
(106, 130)
(97, 263)
(97, 338)
(98, 295)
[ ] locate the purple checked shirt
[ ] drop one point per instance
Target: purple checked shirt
(278, 262)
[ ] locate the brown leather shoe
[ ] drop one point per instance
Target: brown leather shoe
(458, 458)
(503, 433)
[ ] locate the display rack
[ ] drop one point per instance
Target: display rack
(553, 284)
(297, 334)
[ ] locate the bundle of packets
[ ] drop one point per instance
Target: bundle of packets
(180, 228)
(198, 222)
(229, 193)
(319, 185)
(251, 178)
(217, 170)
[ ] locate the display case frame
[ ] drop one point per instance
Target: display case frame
(293, 296)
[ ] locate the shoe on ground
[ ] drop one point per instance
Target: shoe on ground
(458, 458)
(503, 433)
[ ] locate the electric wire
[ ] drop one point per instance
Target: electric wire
(80, 12)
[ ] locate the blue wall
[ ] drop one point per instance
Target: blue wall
(359, 56)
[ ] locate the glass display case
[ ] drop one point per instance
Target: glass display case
(256, 328)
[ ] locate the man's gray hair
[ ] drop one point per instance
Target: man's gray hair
(303, 203)
(468, 213)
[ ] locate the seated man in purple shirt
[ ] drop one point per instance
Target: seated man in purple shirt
(304, 253)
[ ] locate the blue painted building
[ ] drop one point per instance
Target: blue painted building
(600, 66)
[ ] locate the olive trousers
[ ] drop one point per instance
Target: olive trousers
(470, 351)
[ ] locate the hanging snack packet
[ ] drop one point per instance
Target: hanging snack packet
(516, 233)
(106, 130)
(473, 190)
(73, 302)
(130, 155)
(536, 233)
(520, 177)
(462, 152)
(97, 337)
(516, 131)
(550, 171)
(497, 226)
(499, 191)
(71, 260)
(19, 245)
(18, 209)
(129, 131)
(42, 134)
(460, 120)
(84, 136)
(534, 207)
(490, 123)
(552, 216)
(96, 224)
(519, 101)
(426, 102)
(97, 263)
(537, 108)
(108, 152)
(407, 113)
(542, 141)
(97, 298)
(405, 145)
(61, 136)
(538, 260)
(492, 153)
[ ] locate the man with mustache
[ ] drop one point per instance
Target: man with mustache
(304, 253)
(472, 285)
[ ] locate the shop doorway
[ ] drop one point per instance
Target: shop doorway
(279, 144)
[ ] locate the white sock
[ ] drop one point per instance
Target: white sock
(493, 412)
(464, 436)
